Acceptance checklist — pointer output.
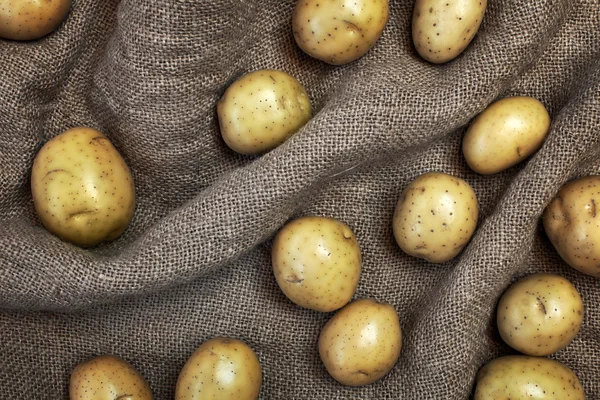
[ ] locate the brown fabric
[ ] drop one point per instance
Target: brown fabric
(195, 262)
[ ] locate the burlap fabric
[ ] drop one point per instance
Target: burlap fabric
(196, 261)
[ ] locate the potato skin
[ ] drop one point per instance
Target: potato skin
(540, 314)
(108, 377)
(317, 262)
(530, 378)
(82, 189)
(339, 31)
(505, 133)
(442, 29)
(31, 19)
(435, 217)
(361, 343)
(260, 110)
(572, 223)
(221, 368)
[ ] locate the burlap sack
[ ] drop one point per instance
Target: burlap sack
(196, 261)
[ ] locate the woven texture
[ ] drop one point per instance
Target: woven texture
(195, 262)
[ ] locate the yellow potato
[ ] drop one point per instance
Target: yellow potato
(338, 31)
(540, 314)
(435, 217)
(31, 19)
(442, 29)
(108, 377)
(361, 343)
(527, 378)
(260, 110)
(572, 223)
(82, 189)
(221, 368)
(505, 133)
(316, 262)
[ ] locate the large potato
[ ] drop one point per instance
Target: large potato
(361, 343)
(260, 110)
(82, 189)
(316, 262)
(221, 368)
(540, 314)
(572, 223)
(442, 29)
(31, 19)
(505, 133)
(338, 31)
(435, 217)
(108, 377)
(527, 378)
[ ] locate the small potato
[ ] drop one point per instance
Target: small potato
(339, 31)
(108, 377)
(435, 217)
(572, 223)
(505, 133)
(82, 189)
(540, 314)
(31, 19)
(442, 29)
(221, 368)
(527, 378)
(260, 110)
(361, 343)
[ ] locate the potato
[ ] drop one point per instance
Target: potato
(221, 368)
(338, 31)
(31, 19)
(361, 343)
(82, 189)
(572, 223)
(442, 29)
(527, 378)
(108, 377)
(505, 133)
(540, 314)
(316, 262)
(435, 217)
(260, 110)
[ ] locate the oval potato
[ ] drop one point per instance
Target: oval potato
(527, 378)
(316, 262)
(505, 133)
(540, 314)
(435, 217)
(361, 343)
(221, 368)
(82, 189)
(339, 31)
(31, 19)
(260, 110)
(442, 29)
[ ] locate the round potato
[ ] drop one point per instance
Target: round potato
(540, 314)
(441, 30)
(316, 262)
(435, 217)
(339, 31)
(108, 377)
(260, 110)
(572, 223)
(31, 19)
(527, 378)
(221, 368)
(505, 133)
(82, 189)
(361, 343)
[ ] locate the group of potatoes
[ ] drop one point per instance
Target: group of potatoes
(84, 193)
